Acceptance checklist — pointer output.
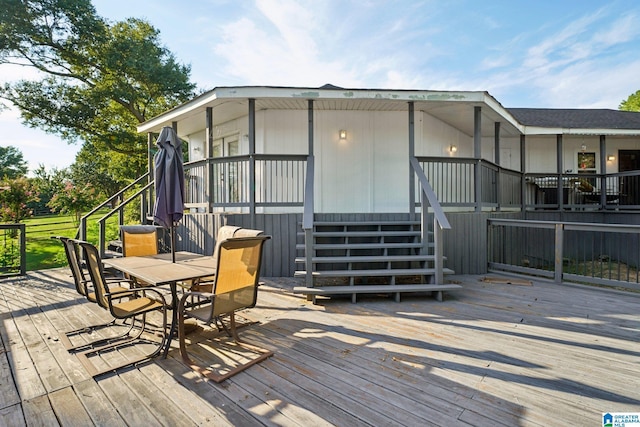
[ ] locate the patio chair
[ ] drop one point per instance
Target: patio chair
(82, 287)
(225, 232)
(139, 240)
(135, 309)
(235, 287)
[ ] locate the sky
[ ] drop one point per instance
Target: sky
(537, 54)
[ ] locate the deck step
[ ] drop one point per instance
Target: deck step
(375, 273)
(370, 233)
(370, 258)
(373, 289)
(328, 246)
(366, 222)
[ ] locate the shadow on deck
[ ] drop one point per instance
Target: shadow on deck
(490, 354)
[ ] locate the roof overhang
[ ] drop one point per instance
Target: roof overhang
(535, 130)
(456, 108)
(451, 107)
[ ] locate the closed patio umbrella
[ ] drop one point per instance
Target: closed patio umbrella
(169, 180)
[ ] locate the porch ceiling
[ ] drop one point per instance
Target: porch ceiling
(456, 114)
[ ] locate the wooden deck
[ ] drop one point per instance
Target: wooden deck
(490, 354)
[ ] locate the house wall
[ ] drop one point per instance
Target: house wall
(369, 172)
(541, 152)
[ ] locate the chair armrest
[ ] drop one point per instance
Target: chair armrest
(199, 294)
(135, 292)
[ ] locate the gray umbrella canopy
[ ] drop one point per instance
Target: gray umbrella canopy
(169, 179)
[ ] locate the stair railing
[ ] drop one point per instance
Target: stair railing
(82, 230)
(102, 222)
(440, 222)
(307, 221)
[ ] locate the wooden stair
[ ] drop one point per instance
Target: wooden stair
(369, 257)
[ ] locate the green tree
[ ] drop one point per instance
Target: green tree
(12, 163)
(73, 200)
(100, 80)
(47, 183)
(15, 195)
(632, 103)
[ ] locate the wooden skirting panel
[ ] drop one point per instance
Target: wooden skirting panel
(465, 245)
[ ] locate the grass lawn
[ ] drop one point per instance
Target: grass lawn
(44, 252)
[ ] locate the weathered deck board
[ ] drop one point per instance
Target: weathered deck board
(491, 354)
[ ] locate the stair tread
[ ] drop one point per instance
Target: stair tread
(340, 289)
(371, 273)
(366, 223)
(368, 258)
(363, 245)
(370, 233)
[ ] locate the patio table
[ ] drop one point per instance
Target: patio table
(160, 270)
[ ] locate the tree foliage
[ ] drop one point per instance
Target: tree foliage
(12, 163)
(73, 199)
(632, 103)
(15, 196)
(99, 79)
(47, 183)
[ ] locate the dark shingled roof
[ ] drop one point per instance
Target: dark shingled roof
(577, 118)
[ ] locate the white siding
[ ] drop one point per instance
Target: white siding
(434, 137)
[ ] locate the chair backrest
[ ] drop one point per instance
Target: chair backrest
(96, 272)
(247, 232)
(238, 273)
(73, 259)
(139, 240)
(225, 232)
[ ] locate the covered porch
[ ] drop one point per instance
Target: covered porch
(500, 352)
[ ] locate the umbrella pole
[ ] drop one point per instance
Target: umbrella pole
(173, 243)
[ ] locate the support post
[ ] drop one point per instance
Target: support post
(603, 172)
(559, 163)
(523, 170)
(252, 161)
(412, 153)
(496, 144)
(309, 209)
(208, 155)
(557, 276)
(477, 155)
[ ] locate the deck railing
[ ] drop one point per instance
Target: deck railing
(602, 254)
(283, 181)
(140, 189)
(13, 258)
(453, 180)
(225, 182)
(221, 183)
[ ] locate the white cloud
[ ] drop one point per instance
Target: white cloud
(544, 55)
(620, 31)
(282, 53)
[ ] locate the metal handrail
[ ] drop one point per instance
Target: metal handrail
(82, 230)
(103, 220)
